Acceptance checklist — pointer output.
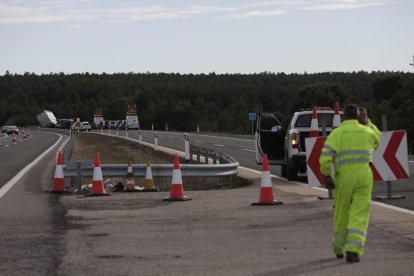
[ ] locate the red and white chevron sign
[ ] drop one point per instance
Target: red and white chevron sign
(390, 161)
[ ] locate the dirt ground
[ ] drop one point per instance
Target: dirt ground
(113, 150)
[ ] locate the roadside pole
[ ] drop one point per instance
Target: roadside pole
(140, 137)
(126, 133)
(156, 141)
(187, 148)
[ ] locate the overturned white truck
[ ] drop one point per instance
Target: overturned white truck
(46, 118)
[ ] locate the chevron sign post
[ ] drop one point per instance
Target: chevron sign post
(390, 161)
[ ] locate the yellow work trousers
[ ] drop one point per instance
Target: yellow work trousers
(352, 196)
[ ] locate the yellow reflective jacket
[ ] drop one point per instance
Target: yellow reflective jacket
(352, 145)
(374, 128)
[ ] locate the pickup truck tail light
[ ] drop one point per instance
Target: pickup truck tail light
(295, 140)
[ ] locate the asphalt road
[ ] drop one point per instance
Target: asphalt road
(14, 156)
(242, 149)
(31, 220)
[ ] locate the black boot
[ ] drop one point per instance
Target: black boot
(339, 256)
(352, 257)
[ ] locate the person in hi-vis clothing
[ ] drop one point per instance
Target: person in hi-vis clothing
(351, 145)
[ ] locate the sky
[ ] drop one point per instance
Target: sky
(200, 36)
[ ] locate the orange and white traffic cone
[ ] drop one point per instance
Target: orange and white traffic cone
(337, 118)
(130, 183)
(149, 182)
(177, 191)
(314, 130)
(97, 183)
(14, 137)
(59, 182)
(266, 189)
(24, 134)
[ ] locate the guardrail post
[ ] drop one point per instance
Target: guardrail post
(230, 182)
(156, 141)
(157, 182)
(79, 171)
(198, 156)
(140, 137)
(152, 126)
(206, 156)
(214, 158)
(126, 133)
(186, 148)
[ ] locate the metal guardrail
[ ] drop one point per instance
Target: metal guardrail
(222, 157)
(158, 170)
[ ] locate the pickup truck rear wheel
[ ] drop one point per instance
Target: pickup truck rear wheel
(292, 174)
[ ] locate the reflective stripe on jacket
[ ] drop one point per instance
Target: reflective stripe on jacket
(351, 144)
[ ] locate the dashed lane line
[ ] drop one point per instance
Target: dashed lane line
(218, 145)
(198, 142)
(6, 146)
(248, 150)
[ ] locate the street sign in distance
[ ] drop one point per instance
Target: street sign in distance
(252, 116)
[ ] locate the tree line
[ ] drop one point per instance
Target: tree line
(218, 102)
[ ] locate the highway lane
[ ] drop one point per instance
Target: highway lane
(32, 221)
(14, 156)
(242, 149)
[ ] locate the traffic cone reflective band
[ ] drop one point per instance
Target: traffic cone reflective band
(97, 183)
(266, 189)
(130, 183)
(14, 137)
(337, 118)
(24, 134)
(149, 182)
(59, 182)
(177, 191)
(314, 130)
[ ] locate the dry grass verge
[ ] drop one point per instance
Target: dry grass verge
(114, 150)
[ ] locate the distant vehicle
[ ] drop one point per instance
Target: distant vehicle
(112, 124)
(122, 124)
(132, 122)
(12, 129)
(4, 129)
(85, 126)
(76, 125)
(46, 118)
(68, 123)
(97, 121)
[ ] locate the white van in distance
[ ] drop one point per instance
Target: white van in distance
(132, 122)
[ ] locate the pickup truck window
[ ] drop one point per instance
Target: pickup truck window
(305, 120)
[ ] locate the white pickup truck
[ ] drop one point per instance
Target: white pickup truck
(287, 147)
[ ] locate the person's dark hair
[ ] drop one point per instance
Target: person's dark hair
(362, 109)
(351, 112)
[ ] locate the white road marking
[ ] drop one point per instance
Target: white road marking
(15, 143)
(9, 185)
(198, 142)
(248, 150)
(6, 146)
(218, 145)
(411, 161)
(182, 139)
(5, 135)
